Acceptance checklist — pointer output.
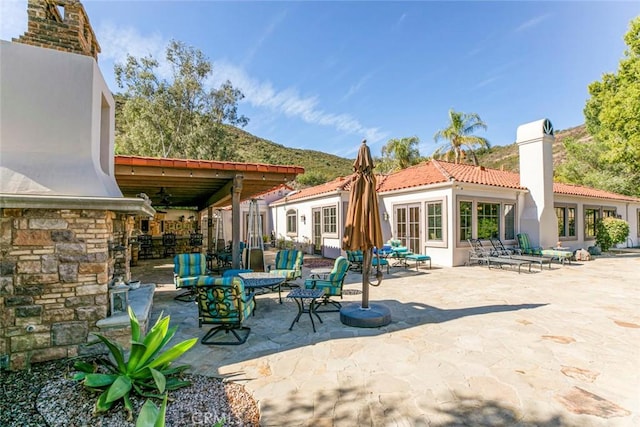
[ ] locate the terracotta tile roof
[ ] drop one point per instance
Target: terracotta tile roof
(437, 171)
(576, 190)
(339, 184)
(205, 164)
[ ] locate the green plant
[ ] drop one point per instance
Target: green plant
(146, 372)
(152, 416)
(611, 231)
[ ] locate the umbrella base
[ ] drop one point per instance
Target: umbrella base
(373, 317)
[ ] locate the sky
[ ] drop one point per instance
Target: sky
(324, 75)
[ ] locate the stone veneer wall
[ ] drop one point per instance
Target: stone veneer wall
(68, 32)
(55, 268)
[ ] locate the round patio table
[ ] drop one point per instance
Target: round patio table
(263, 280)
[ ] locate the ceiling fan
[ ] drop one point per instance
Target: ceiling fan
(165, 197)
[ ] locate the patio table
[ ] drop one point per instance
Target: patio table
(299, 295)
(262, 280)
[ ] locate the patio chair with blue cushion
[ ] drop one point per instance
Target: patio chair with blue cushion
(222, 301)
(331, 284)
(525, 245)
(288, 264)
(355, 259)
(187, 268)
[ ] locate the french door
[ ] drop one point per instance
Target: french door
(316, 230)
(407, 227)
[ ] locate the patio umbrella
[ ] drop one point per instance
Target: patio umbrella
(363, 232)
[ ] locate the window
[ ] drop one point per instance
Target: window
(608, 212)
(329, 220)
(466, 211)
(292, 222)
(566, 221)
(434, 221)
(509, 221)
(488, 220)
(591, 217)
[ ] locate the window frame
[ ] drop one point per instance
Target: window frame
(475, 201)
(329, 229)
(442, 242)
(291, 213)
(565, 207)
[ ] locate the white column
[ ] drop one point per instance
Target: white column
(538, 219)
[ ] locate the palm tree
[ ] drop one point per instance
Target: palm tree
(402, 152)
(458, 135)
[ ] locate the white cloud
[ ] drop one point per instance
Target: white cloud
(289, 102)
(273, 25)
(117, 42)
(531, 23)
(13, 21)
(356, 87)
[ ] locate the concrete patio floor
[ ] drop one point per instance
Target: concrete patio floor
(466, 346)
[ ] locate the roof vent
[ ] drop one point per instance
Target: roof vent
(481, 168)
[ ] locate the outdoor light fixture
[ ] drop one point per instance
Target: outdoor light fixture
(133, 172)
(303, 219)
(119, 297)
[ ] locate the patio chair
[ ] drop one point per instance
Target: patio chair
(477, 252)
(355, 259)
(146, 246)
(499, 249)
(169, 242)
(223, 302)
(332, 284)
(195, 242)
(525, 245)
(187, 268)
(288, 264)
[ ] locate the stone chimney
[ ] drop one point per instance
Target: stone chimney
(61, 25)
(538, 218)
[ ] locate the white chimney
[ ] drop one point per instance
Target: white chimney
(538, 218)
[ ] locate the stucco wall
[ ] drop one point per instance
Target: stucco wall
(56, 124)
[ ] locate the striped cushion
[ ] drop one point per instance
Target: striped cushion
(187, 268)
(288, 264)
(225, 302)
(332, 285)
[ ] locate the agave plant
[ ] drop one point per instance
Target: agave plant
(147, 372)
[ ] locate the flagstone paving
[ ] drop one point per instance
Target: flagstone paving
(466, 346)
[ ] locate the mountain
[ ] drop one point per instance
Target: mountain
(319, 167)
(506, 156)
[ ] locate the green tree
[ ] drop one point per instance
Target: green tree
(612, 114)
(180, 117)
(399, 153)
(459, 137)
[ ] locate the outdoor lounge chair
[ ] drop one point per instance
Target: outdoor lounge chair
(355, 259)
(482, 255)
(288, 264)
(187, 268)
(223, 302)
(525, 245)
(332, 284)
(500, 250)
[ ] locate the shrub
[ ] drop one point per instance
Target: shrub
(147, 372)
(611, 231)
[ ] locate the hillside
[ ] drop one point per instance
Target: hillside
(506, 157)
(253, 149)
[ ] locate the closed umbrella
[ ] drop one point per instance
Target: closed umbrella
(363, 232)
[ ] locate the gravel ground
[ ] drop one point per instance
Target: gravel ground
(45, 396)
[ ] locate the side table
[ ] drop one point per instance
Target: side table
(299, 295)
(320, 273)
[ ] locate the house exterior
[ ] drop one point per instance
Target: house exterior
(434, 207)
